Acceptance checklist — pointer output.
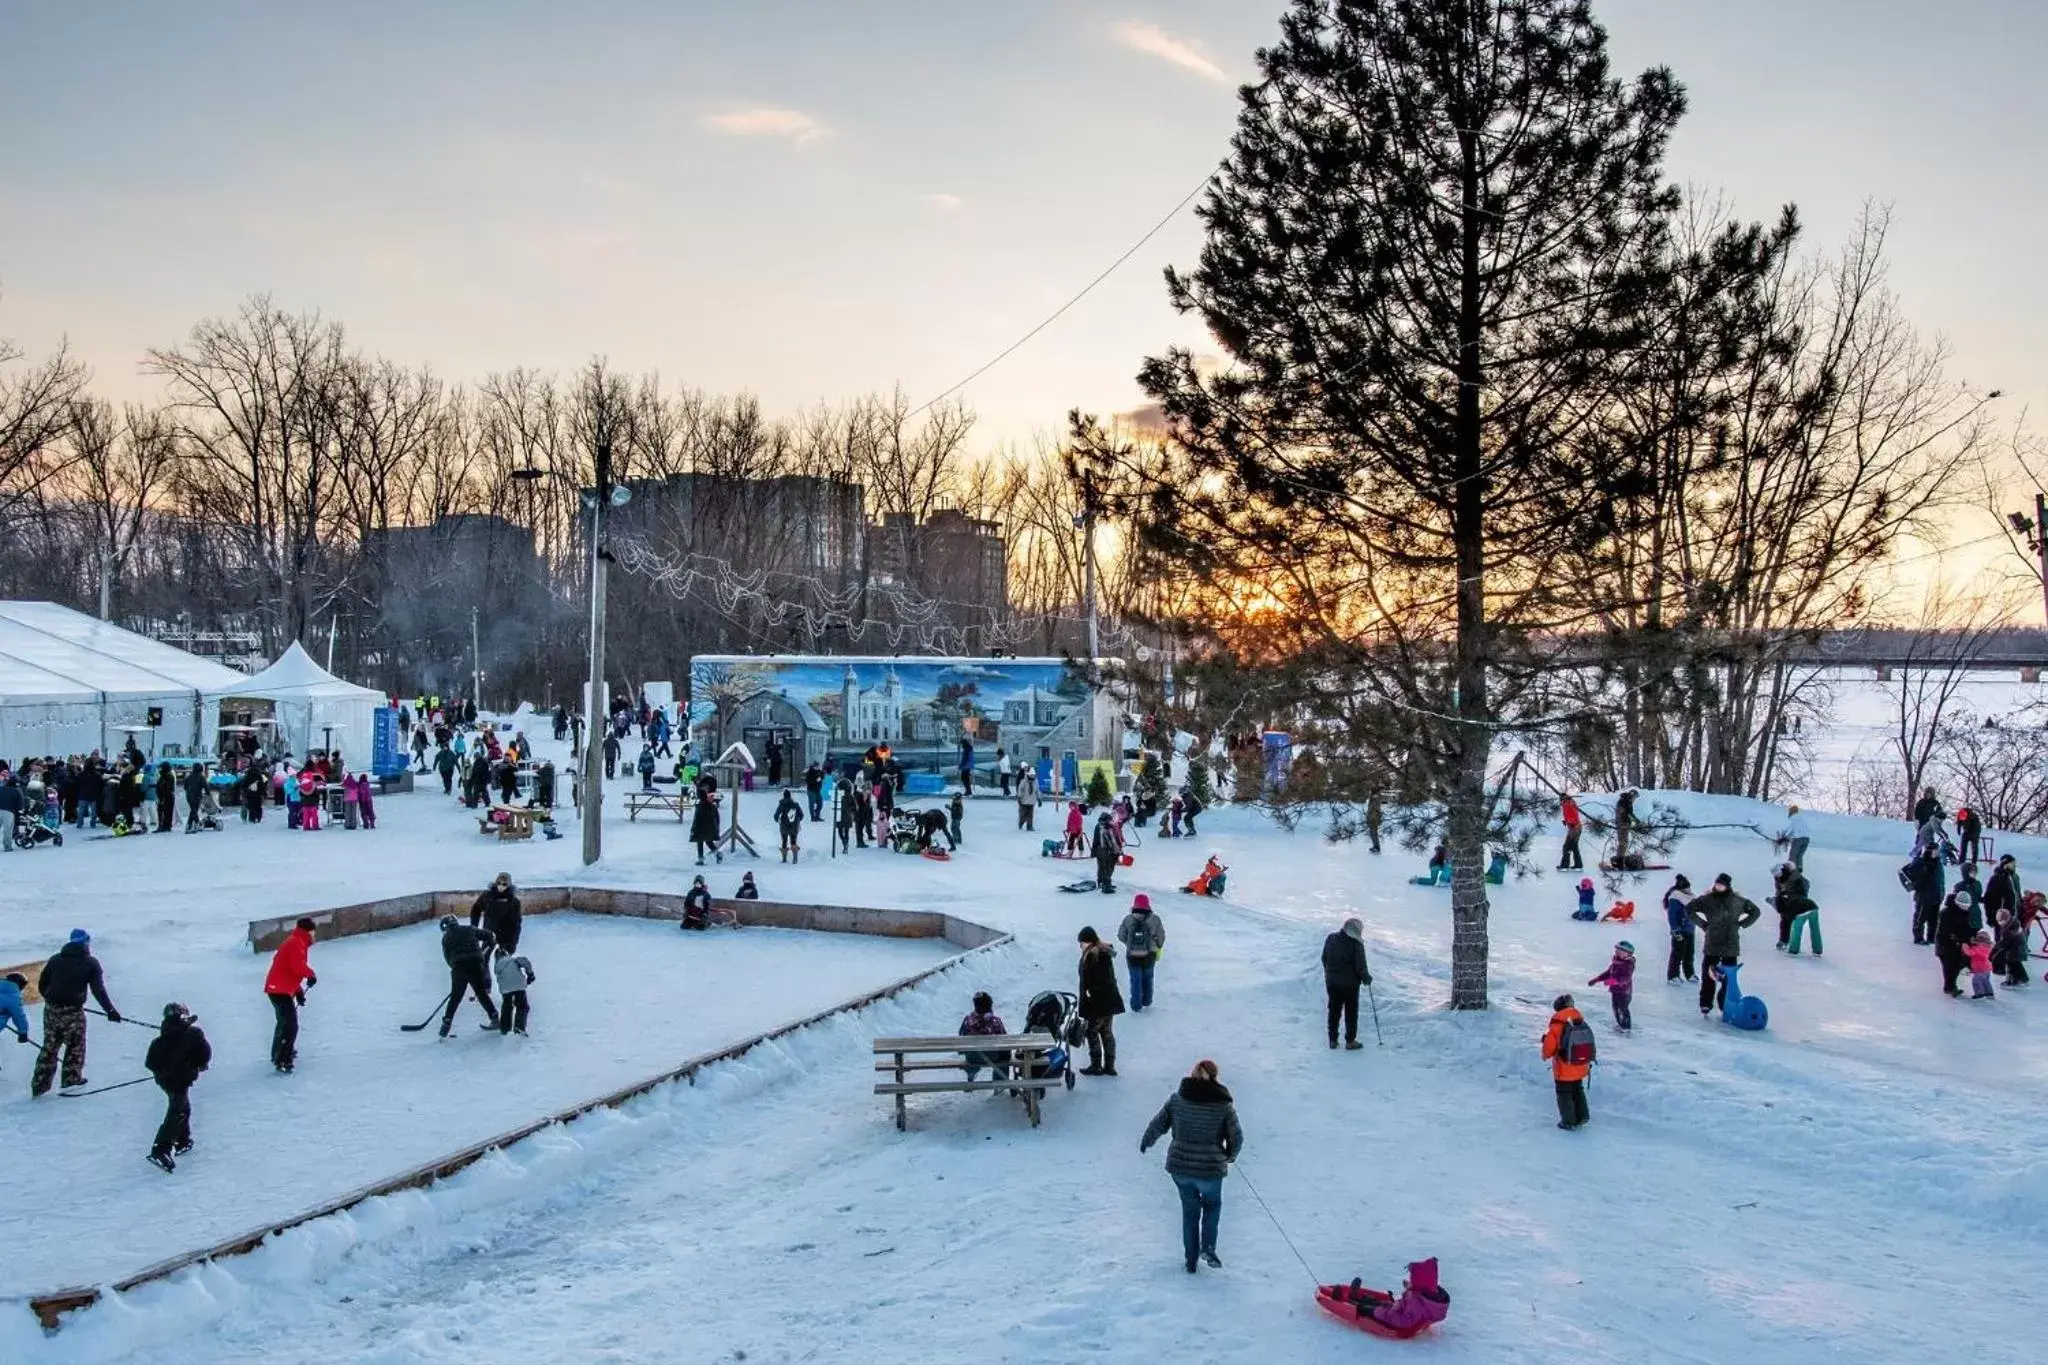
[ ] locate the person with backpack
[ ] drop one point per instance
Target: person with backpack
(286, 984)
(1344, 971)
(1724, 915)
(1677, 916)
(1570, 860)
(176, 1056)
(1206, 1138)
(1144, 938)
(466, 950)
(1928, 881)
(1568, 1047)
(789, 822)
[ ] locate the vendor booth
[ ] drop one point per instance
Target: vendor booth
(313, 709)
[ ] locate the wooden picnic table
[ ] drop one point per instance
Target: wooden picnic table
(1020, 1052)
(639, 801)
(517, 824)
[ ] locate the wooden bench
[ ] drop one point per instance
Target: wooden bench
(903, 1056)
(517, 824)
(639, 801)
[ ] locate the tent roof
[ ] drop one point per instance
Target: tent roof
(52, 653)
(295, 675)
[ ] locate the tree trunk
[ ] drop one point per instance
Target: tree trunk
(1465, 839)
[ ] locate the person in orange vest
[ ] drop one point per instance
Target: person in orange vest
(1568, 1047)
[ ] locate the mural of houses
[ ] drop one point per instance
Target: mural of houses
(920, 707)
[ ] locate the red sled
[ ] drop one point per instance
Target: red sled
(937, 855)
(1341, 1301)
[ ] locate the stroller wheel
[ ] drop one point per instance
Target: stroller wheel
(59, 841)
(1070, 1078)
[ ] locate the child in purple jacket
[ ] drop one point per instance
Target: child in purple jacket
(984, 1022)
(1423, 1302)
(1620, 981)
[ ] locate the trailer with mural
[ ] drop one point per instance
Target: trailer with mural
(830, 709)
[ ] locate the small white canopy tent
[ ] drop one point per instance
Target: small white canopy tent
(315, 709)
(69, 683)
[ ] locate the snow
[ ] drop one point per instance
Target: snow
(1848, 1184)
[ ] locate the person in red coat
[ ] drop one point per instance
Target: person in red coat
(1569, 859)
(286, 986)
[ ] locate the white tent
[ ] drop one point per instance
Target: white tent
(315, 709)
(69, 684)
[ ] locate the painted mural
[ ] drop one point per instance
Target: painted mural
(833, 709)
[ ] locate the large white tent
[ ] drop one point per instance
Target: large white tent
(315, 709)
(70, 683)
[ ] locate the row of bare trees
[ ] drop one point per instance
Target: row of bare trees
(290, 487)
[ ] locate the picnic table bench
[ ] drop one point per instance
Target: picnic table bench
(639, 801)
(903, 1056)
(517, 824)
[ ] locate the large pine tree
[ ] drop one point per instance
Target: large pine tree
(1424, 261)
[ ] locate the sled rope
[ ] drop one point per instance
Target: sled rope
(1239, 1168)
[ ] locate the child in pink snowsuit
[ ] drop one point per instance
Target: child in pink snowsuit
(1423, 1302)
(1620, 981)
(309, 799)
(1978, 951)
(366, 801)
(1075, 843)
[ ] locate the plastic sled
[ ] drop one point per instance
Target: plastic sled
(1337, 1300)
(937, 855)
(1077, 887)
(1746, 1012)
(1622, 912)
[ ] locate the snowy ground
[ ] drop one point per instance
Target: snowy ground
(1846, 1185)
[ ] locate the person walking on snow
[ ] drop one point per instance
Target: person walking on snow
(286, 984)
(814, 792)
(1677, 916)
(1978, 952)
(1954, 929)
(1344, 971)
(467, 951)
(1100, 1002)
(1027, 798)
(611, 754)
(1620, 981)
(1207, 1137)
(176, 1056)
(1928, 880)
(1570, 1062)
(1798, 834)
(1076, 823)
(498, 911)
(704, 826)
(65, 981)
(195, 796)
(1724, 915)
(789, 821)
(1144, 938)
(1106, 850)
(1569, 860)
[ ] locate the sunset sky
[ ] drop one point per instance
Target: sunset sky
(817, 200)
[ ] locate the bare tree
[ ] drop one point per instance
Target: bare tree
(121, 468)
(35, 403)
(1924, 696)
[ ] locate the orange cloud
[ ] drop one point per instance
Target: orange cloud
(769, 121)
(1155, 41)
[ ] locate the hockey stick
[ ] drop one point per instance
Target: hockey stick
(103, 1089)
(415, 1028)
(124, 1019)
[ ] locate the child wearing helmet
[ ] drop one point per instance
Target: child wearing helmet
(176, 1056)
(1620, 981)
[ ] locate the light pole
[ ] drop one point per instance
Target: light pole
(2036, 533)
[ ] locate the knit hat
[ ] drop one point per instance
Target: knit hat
(1585, 883)
(1625, 947)
(1354, 928)
(1422, 1275)
(80, 936)
(1141, 901)
(1724, 880)
(1681, 883)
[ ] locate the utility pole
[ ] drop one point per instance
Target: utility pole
(595, 705)
(107, 584)
(2040, 544)
(476, 665)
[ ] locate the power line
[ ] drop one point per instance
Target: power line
(1060, 311)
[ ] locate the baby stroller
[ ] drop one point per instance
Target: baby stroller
(906, 829)
(1059, 1014)
(30, 831)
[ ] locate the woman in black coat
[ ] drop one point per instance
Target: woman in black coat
(704, 826)
(1100, 1002)
(1951, 931)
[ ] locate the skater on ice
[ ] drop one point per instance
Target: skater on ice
(497, 910)
(285, 986)
(65, 981)
(175, 1058)
(466, 950)
(514, 975)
